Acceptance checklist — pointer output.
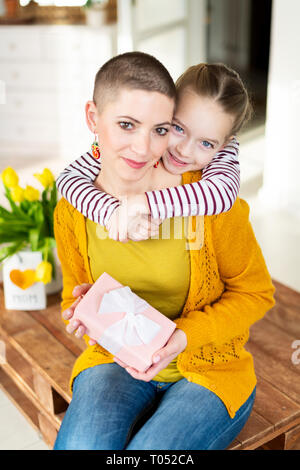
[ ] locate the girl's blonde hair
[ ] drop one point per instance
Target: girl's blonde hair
(224, 85)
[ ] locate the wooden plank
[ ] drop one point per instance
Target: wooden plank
(41, 339)
(40, 348)
(49, 357)
(278, 443)
(48, 396)
(256, 430)
(235, 445)
(27, 391)
(21, 402)
(292, 438)
(49, 432)
(270, 417)
(21, 371)
(51, 319)
(286, 312)
(44, 391)
(271, 350)
(275, 406)
(289, 440)
(13, 321)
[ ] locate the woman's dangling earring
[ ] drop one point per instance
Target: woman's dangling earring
(95, 149)
(156, 164)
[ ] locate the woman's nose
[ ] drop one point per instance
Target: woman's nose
(141, 144)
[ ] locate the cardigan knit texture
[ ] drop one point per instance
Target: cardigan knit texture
(230, 289)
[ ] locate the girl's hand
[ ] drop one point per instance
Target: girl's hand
(132, 220)
(75, 325)
(176, 344)
(141, 227)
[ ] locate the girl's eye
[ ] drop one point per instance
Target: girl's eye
(162, 131)
(207, 144)
(178, 128)
(126, 125)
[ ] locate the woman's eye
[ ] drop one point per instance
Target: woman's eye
(126, 125)
(207, 144)
(162, 131)
(177, 128)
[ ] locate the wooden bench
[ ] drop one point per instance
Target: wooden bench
(39, 356)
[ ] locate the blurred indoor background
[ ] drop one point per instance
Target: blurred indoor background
(50, 52)
(49, 55)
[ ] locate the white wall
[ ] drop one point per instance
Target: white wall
(174, 31)
(281, 187)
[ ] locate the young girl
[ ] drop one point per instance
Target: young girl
(213, 194)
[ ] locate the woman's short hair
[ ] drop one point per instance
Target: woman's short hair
(131, 70)
(224, 85)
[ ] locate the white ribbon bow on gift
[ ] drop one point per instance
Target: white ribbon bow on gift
(134, 329)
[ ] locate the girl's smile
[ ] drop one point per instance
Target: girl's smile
(175, 160)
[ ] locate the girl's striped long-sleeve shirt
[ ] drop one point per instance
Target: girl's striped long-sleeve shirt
(214, 193)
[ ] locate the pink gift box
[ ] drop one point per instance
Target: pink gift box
(123, 323)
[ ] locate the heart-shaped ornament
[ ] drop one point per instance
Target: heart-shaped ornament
(22, 279)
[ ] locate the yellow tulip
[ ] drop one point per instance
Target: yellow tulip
(43, 272)
(17, 194)
(10, 177)
(46, 178)
(31, 194)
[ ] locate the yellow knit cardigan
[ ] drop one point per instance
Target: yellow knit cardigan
(230, 289)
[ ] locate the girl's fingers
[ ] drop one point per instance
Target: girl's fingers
(143, 230)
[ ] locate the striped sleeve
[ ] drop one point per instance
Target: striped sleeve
(75, 184)
(216, 192)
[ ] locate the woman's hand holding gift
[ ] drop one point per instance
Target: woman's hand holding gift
(176, 344)
(75, 325)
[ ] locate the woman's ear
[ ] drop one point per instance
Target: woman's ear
(91, 115)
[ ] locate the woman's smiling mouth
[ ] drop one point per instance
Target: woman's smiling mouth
(134, 164)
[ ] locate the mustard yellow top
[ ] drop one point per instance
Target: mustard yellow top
(230, 289)
(157, 269)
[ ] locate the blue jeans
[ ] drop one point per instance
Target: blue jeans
(108, 404)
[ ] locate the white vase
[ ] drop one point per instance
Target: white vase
(56, 284)
(15, 297)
